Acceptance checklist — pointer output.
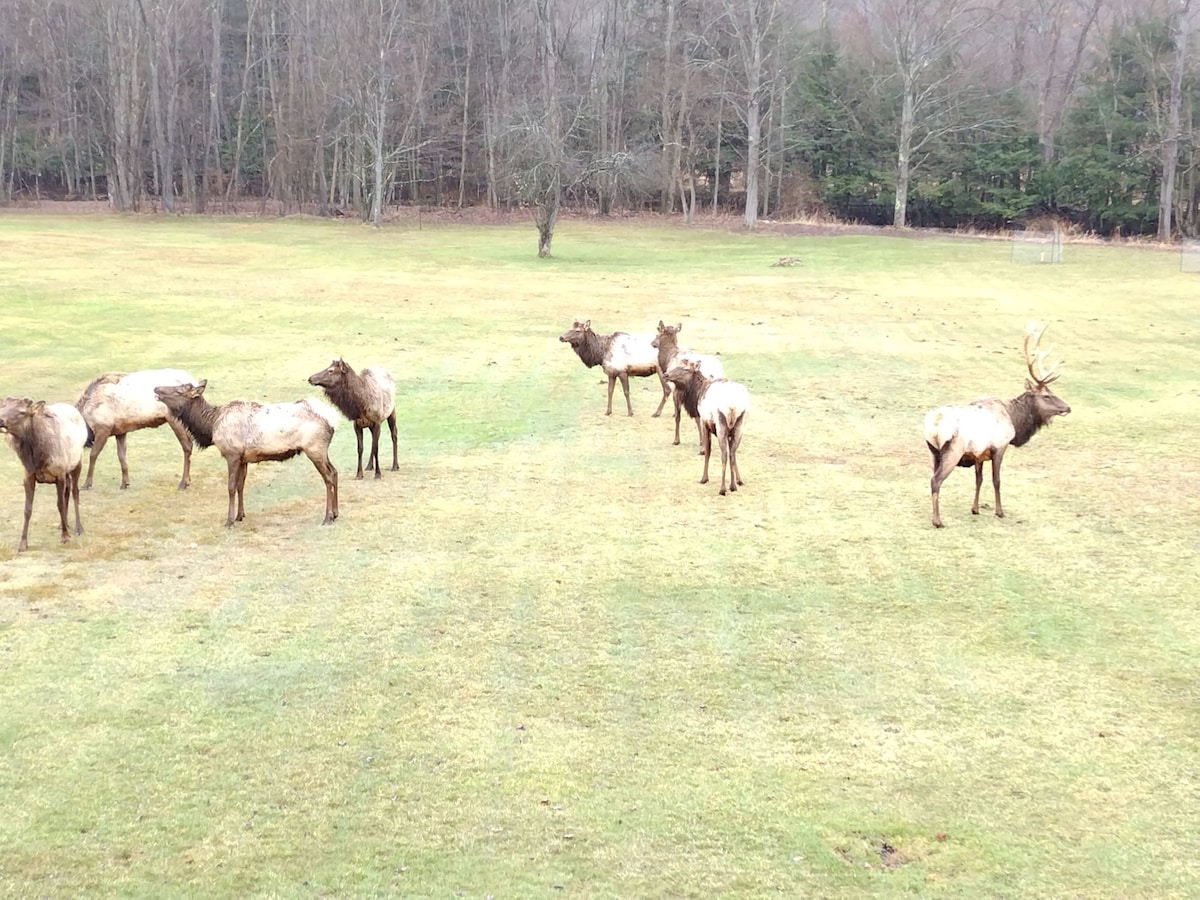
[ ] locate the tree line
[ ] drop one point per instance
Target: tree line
(947, 113)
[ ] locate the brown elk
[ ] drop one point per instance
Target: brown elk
(366, 398)
(985, 429)
(669, 352)
(117, 403)
(619, 354)
(48, 439)
(720, 407)
(246, 432)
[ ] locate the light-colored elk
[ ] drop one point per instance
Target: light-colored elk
(619, 354)
(117, 403)
(971, 435)
(720, 406)
(669, 353)
(246, 432)
(366, 398)
(48, 439)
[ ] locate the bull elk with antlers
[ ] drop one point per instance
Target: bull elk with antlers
(971, 435)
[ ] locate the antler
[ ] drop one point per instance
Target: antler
(1037, 359)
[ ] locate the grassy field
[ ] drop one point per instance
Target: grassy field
(541, 659)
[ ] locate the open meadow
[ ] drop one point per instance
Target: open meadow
(541, 659)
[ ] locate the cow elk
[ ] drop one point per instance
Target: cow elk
(619, 354)
(983, 430)
(669, 352)
(48, 439)
(117, 403)
(720, 406)
(246, 432)
(366, 398)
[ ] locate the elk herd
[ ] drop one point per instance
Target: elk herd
(50, 438)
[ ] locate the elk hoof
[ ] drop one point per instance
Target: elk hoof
(125, 486)
(999, 514)
(937, 523)
(974, 510)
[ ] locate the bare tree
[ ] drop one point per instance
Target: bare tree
(124, 95)
(752, 25)
(923, 40)
(1181, 14)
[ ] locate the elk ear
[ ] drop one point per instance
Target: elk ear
(199, 389)
(587, 324)
(679, 328)
(39, 407)
(1030, 386)
(661, 326)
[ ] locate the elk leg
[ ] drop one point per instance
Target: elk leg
(358, 436)
(395, 453)
(185, 441)
(235, 467)
(121, 459)
(30, 483)
(375, 429)
(99, 439)
(241, 491)
(329, 475)
(996, 457)
(62, 493)
(707, 452)
(943, 464)
(978, 485)
(678, 412)
(75, 494)
(663, 401)
(612, 383)
(735, 473)
(723, 443)
(624, 376)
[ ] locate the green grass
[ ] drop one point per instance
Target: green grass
(541, 659)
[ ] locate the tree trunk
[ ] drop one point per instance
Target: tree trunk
(904, 157)
(550, 196)
(1170, 144)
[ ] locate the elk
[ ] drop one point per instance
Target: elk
(366, 398)
(667, 344)
(986, 428)
(48, 439)
(720, 407)
(619, 354)
(117, 403)
(246, 432)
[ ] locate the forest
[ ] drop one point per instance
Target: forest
(980, 114)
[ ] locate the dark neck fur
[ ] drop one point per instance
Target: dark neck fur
(592, 348)
(30, 444)
(692, 391)
(198, 416)
(346, 395)
(1026, 419)
(668, 344)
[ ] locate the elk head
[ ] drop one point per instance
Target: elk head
(1037, 385)
(576, 333)
(180, 393)
(331, 376)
